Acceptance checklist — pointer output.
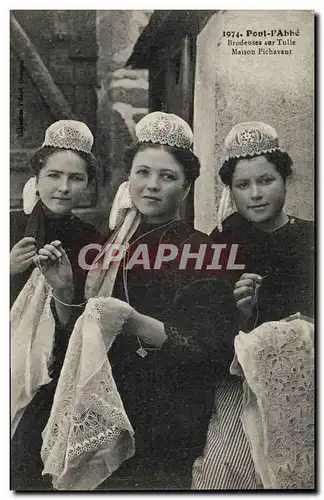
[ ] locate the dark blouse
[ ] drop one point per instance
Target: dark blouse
(168, 395)
(285, 260)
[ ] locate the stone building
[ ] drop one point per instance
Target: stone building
(109, 68)
(71, 64)
(193, 72)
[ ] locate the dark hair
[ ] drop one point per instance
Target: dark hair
(279, 159)
(188, 160)
(39, 158)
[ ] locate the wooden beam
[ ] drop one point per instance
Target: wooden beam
(186, 77)
(163, 28)
(38, 72)
(142, 48)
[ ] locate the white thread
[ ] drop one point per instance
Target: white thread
(38, 264)
(256, 294)
(48, 286)
(141, 351)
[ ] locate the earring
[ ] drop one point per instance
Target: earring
(37, 192)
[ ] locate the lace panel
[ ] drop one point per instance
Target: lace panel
(277, 359)
(88, 434)
(32, 333)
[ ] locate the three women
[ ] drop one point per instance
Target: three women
(178, 341)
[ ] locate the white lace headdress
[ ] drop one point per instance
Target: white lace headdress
(166, 129)
(250, 139)
(69, 134)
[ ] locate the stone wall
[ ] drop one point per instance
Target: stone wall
(122, 92)
(52, 77)
(111, 99)
(275, 89)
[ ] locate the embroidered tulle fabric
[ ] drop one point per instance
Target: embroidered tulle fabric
(32, 332)
(277, 361)
(88, 434)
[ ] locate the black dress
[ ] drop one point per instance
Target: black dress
(285, 260)
(168, 395)
(26, 464)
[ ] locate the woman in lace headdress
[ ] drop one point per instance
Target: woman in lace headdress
(277, 248)
(45, 230)
(62, 168)
(166, 365)
(278, 252)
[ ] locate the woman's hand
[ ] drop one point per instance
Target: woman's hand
(56, 267)
(22, 255)
(244, 293)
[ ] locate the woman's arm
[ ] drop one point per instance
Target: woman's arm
(148, 329)
(203, 322)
